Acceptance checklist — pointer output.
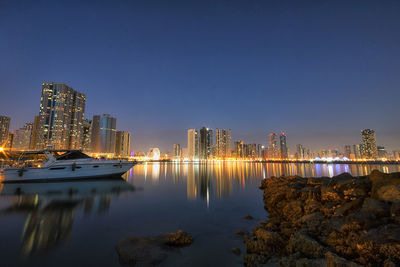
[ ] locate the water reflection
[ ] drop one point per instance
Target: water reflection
(50, 208)
(218, 178)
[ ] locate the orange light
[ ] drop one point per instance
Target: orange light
(1, 149)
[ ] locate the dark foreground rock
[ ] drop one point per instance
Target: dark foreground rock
(150, 251)
(339, 221)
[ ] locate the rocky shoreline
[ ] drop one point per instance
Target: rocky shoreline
(339, 221)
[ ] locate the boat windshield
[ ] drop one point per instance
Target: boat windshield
(22, 159)
(72, 155)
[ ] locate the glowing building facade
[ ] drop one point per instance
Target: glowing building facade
(283, 146)
(369, 148)
(23, 137)
(239, 149)
(60, 117)
(357, 151)
(103, 134)
(177, 151)
(122, 144)
(86, 135)
(193, 144)
(35, 131)
(273, 146)
(223, 143)
(4, 129)
(206, 143)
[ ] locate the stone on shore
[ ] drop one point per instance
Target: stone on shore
(339, 221)
(151, 251)
(236, 251)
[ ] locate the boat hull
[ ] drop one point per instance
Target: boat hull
(66, 172)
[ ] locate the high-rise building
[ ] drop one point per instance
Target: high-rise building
(206, 143)
(103, 134)
(193, 144)
(35, 131)
(264, 152)
(259, 150)
(347, 151)
(382, 153)
(122, 144)
(300, 152)
(4, 129)
(396, 155)
(78, 117)
(9, 141)
(283, 146)
(23, 137)
(370, 150)
(86, 135)
(239, 149)
(60, 117)
(251, 151)
(223, 143)
(177, 151)
(357, 151)
(273, 146)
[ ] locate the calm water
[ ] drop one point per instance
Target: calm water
(79, 223)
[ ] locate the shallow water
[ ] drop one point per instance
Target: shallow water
(80, 223)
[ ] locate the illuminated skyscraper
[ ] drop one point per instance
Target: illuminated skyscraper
(239, 149)
(193, 144)
(273, 146)
(122, 144)
(283, 146)
(223, 143)
(23, 137)
(357, 151)
(60, 117)
(4, 129)
(300, 152)
(86, 135)
(8, 144)
(103, 134)
(347, 151)
(396, 155)
(78, 116)
(35, 131)
(177, 151)
(370, 150)
(205, 143)
(251, 151)
(382, 153)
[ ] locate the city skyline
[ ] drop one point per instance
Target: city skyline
(318, 82)
(99, 136)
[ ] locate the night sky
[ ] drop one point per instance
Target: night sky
(319, 70)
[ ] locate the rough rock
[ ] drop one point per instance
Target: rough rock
(177, 239)
(151, 251)
(236, 251)
(305, 245)
(339, 221)
(389, 193)
(395, 209)
(240, 232)
(333, 260)
(376, 208)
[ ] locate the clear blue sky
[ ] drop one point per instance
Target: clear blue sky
(319, 70)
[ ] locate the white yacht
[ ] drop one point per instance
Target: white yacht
(49, 165)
